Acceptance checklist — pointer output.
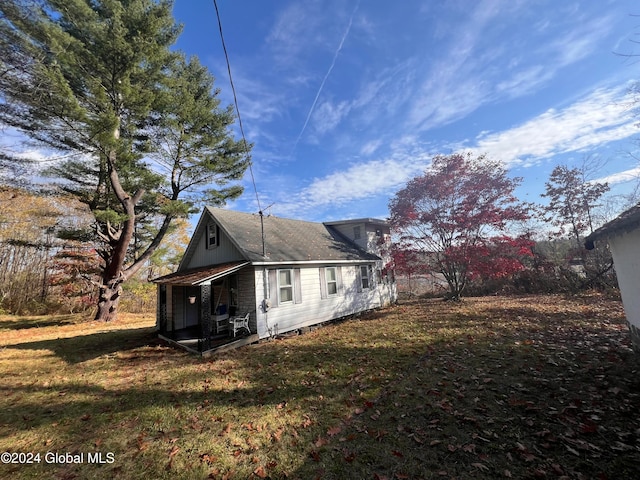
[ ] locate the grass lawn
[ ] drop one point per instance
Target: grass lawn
(499, 387)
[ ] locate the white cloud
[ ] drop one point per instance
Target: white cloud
(620, 177)
(471, 73)
(525, 81)
(578, 43)
(335, 119)
(385, 94)
(370, 147)
(358, 182)
(328, 115)
(296, 22)
(485, 56)
(595, 120)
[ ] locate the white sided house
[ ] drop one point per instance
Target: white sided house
(623, 236)
(245, 277)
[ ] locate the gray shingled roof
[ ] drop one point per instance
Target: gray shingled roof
(626, 221)
(286, 240)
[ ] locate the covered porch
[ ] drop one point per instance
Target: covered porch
(207, 309)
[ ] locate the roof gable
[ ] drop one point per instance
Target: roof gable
(195, 245)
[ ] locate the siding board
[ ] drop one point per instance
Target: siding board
(313, 308)
(624, 249)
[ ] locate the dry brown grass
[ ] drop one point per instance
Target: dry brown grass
(525, 387)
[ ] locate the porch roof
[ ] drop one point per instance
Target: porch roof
(200, 275)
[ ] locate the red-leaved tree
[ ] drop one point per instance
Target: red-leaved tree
(458, 214)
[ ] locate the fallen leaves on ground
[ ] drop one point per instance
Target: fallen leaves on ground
(496, 387)
(537, 387)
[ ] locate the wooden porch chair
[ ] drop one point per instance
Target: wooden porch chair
(238, 323)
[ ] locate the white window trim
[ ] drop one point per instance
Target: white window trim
(290, 286)
(367, 276)
(212, 227)
(335, 281)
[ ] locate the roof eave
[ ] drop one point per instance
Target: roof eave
(625, 222)
(184, 278)
(268, 263)
(374, 221)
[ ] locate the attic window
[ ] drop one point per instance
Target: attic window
(213, 237)
(356, 233)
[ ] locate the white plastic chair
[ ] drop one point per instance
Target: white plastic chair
(238, 323)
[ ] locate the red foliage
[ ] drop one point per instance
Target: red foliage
(456, 215)
(501, 257)
(405, 261)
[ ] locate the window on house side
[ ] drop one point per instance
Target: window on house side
(285, 285)
(356, 233)
(212, 235)
(364, 276)
(332, 280)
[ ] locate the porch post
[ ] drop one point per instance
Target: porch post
(205, 317)
(162, 309)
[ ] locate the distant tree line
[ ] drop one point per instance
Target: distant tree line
(45, 269)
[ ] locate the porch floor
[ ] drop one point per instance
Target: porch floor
(188, 338)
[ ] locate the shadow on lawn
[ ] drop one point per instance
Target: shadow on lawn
(472, 405)
(38, 322)
(461, 405)
(86, 347)
(310, 383)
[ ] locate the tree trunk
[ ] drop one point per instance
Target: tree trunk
(115, 273)
(113, 276)
(108, 300)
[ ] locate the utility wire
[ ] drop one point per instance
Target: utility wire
(235, 101)
(246, 148)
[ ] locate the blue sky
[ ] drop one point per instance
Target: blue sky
(345, 100)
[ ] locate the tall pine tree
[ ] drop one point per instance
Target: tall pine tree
(97, 79)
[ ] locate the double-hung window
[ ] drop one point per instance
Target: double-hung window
(330, 282)
(285, 285)
(331, 277)
(365, 277)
